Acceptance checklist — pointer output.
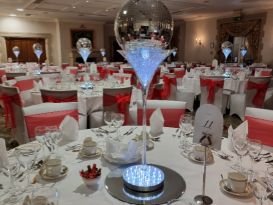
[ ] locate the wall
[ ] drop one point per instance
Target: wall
(23, 27)
(65, 29)
(267, 50)
(206, 31)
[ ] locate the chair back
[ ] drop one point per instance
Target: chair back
(256, 91)
(11, 76)
(59, 96)
(123, 78)
(260, 125)
(118, 100)
(171, 111)
(179, 72)
(47, 114)
(24, 83)
(2, 74)
(169, 87)
(212, 90)
(263, 72)
(13, 104)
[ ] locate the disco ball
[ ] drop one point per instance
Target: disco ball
(84, 43)
(226, 49)
(37, 46)
(227, 44)
(243, 51)
(144, 20)
(16, 49)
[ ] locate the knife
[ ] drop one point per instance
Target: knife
(270, 161)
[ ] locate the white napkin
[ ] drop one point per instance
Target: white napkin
(93, 68)
(257, 74)
(121, 151)
(3, 153)
(241, 130)
(156, 123)
(37, 85)
(242, 75)
(69, 128)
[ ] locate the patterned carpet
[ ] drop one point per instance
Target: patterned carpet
(11, 143)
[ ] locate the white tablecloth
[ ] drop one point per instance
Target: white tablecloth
(167, 153)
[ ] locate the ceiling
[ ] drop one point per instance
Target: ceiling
(105, 10)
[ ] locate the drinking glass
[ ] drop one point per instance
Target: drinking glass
(260, 186)
(185, 126)
(54, 137)
(254, 149)
(108, 118)
(45, 195)
(40, 133)
(240, 145)
(118, 120)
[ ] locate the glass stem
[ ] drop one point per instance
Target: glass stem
(117, 134)
(144, 103)
(241, 165)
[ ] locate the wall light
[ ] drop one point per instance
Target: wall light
(198, 41)
(12, 15)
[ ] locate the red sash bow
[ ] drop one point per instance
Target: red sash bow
(122, 102)
(54, 99)
(179, 73)
(261, 88)
(211, 85)
(8, 109)
(166, 92)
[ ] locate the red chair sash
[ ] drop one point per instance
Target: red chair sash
(266, 73)
(260, 129)
(47, 119)
(73, 71)
(53, 99)
(211, 85)
(102, 71)
(171, 116)
(122, 101)
(133, 78)
(8, 110)
(166, 92)
(64, 65)
(24, 85)
(258, 99)
(179, 73)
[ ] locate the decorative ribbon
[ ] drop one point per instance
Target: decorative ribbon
(211, 85)
(102, 71)
(260, 129)
(47, 119)
(54, 99)
(64, 65)
(258, 99)
(8, 100)
(166, 92)
(266, 73)
(73, 71)
(24, 85)
(121, 100)
(179, 73)
(171, 116)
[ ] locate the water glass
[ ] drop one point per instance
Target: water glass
(254, 150)
(118, 120)
(108, 118)
(53, 136)
(240, 145)
(185, 126)
(260, 186)
(45, 196)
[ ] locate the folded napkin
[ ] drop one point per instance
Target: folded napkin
(69, 128)
(3, 153)
(121, 151)
(156, 123)
(241, 130)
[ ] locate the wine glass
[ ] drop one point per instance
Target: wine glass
(108, 118)
(260, 186)
(118, 120)
(40, 133)
(185, 126)
(240, 145)
(45, 195)
(254, 149)
(54, 137)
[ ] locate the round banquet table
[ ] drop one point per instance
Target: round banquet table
(166, 153)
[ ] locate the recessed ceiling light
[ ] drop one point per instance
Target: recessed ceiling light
(12, 15)
(106, 10)
(73, 7)
(19, 9)
(125, 12)
(86, 1)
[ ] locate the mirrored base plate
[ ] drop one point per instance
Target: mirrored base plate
(174, 187)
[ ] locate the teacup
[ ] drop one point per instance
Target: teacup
(89, 147)
(237, 182)
(53, 167)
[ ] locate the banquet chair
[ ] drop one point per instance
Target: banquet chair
(25, 84)
(260, 125)
(123, 78)
(118, 100)
(3, 76)
(11, 76)
(179, 74)
(47, 114)
(169, 87)
(131, 71)
(212, 91)
(171, 111)
(263, 72)
(253, 97)
(59, 96)
(186, 96)
(12, 102)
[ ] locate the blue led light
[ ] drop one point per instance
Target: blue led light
(143, 198)
(143, 176)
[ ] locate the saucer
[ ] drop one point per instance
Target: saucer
(95, 155)
(248, 192)
(210, 159)
(43, 175)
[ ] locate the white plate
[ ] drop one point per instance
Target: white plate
(97, 154)
(192, 158)
(121, 161)
(29, 147)
(43, 175)
(108, 129)
(248, 192)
